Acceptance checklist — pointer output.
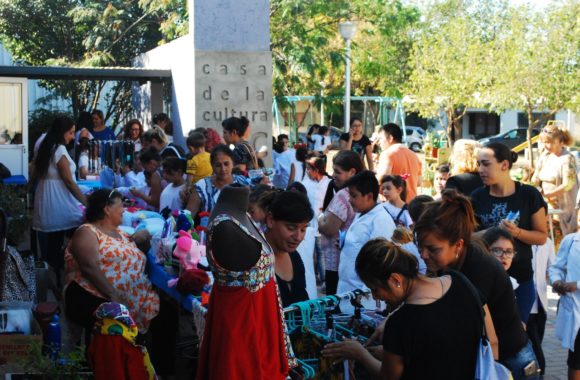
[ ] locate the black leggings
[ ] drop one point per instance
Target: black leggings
(331, 281)
(53, 250)
(164, 332)
(80, 306)
(535, 329)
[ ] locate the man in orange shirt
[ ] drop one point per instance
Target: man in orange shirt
(396, 158)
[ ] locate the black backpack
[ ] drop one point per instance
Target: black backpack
(172, 150)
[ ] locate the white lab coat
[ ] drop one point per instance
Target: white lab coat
(543, 257)
(374, 224)
(567, 268)
(316, 192)
(306, 252)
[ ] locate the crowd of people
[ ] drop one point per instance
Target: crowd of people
(472, 257)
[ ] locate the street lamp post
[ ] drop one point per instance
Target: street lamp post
(322, 87)
(347, 30)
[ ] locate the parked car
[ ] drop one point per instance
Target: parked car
(511, 138)
(415, 137)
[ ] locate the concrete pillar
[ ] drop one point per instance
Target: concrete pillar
(156, 100)
(233, 65)
(508, 120)
(464, 127)
(222, 68)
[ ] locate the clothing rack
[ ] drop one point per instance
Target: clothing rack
(330, 301)
(312, 324)
(198, 312)
(110, 153)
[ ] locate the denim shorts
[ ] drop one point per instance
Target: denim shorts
(519, 361)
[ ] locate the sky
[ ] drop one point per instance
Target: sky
(538, 4)
(535, 3)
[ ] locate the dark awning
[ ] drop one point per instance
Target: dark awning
(85, 73)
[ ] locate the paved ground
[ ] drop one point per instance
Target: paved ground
(556, 356)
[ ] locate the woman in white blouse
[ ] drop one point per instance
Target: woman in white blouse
(58, 199)
(565, 279)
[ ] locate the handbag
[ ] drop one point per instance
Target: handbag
(486, 368)
(252, 155)
(17, 273)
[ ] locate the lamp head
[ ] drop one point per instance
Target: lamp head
(347, 29)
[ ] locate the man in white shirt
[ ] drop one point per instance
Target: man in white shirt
(371, 221)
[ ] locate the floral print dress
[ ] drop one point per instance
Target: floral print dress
(123, 265)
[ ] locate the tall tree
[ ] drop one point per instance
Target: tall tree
(382, 46)
(308, 52)
(449, 66)
(538, 62)
(305, 44)
(171, 15)
(80, 33)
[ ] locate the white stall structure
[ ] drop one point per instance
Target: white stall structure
(14, 125)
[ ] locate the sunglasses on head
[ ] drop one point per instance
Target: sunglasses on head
(112, 194)
(547, 131)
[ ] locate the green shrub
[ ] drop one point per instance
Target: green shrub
(13, 202)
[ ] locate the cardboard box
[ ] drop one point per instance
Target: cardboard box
(15, 347)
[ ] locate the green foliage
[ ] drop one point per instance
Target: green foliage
(13, 202)
(382, 48)
(457, 54)
(538, 61)
(487, 54)
(83, 33)
(172, 16)
(68, 366)
(308, 52)
(449, 66)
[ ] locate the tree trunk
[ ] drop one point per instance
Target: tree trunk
(455, 124)
(299, 124)
(100, 85)
(450, 127)
(74, 101)
(458, 124)
(364, 118)
(374, 114)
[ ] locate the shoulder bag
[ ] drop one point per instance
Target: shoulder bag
(17, 273)
(252, 154)
(486, 368)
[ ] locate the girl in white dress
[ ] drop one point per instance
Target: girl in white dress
(58, 199)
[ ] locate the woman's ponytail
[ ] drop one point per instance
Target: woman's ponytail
(452, 217)
(379, 258)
